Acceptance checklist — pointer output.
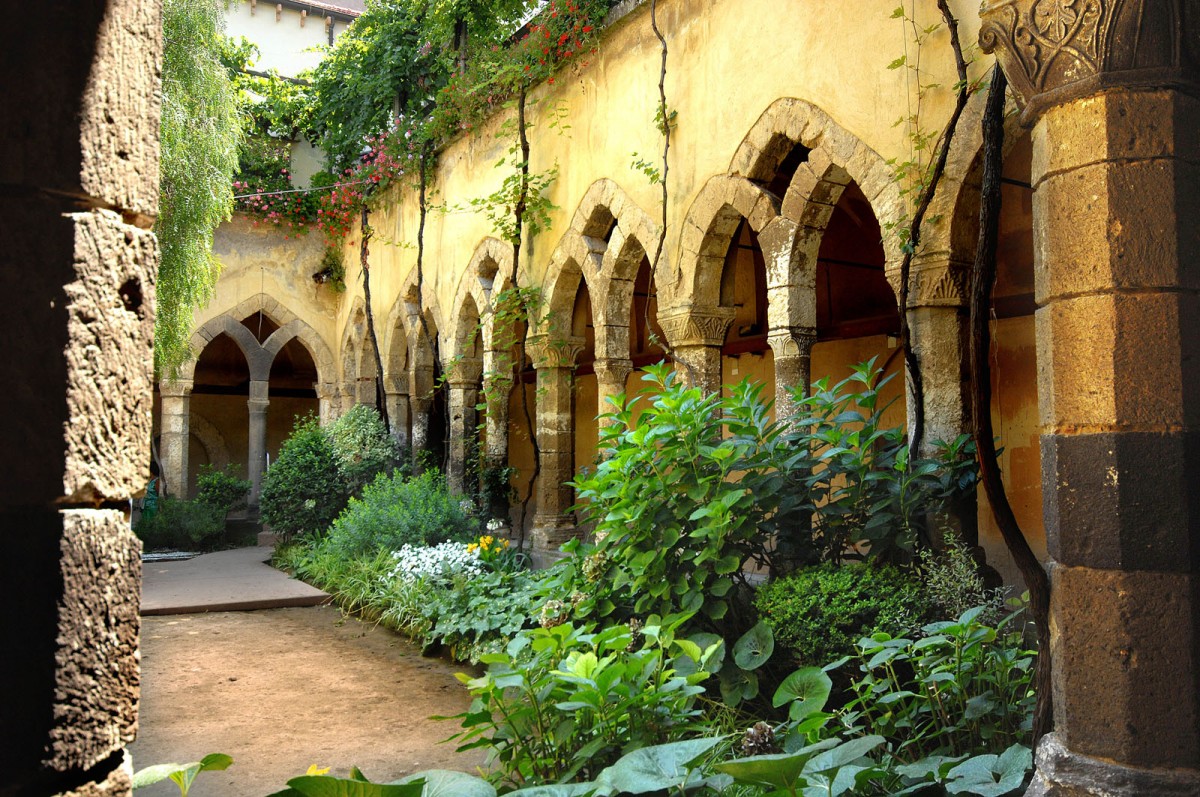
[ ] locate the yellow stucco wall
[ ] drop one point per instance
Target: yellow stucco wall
(730, 60)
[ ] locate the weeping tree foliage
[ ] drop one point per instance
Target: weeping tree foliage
(201, 132)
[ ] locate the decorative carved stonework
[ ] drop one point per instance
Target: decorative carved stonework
(792, 343)
(940, 286)
(181, 388)
(549, 351)
(613, 372)
(1056, 50)
(464, 372)
(692, 327)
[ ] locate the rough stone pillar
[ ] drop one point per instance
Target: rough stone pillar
(498, 382)
(1116, 174)
(175, 398)
(792, 350)
(327, 401)
(938, 319)
(397, 409)
(78, 196)
(464, 432)
(611, 377)
(553, 523)
(696, 338)
(256, 459)
(348, 397)
(420, 406)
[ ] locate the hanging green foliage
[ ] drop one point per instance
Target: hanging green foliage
(201, 132)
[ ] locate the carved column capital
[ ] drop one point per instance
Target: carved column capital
(552, 351)
(175, 388)
(613, 371)
(695, 327)
(396, 383)
(464, 372)
(791, 342)
(1055, 51)
(939, 283)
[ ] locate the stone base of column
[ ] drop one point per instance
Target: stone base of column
(548, 535)
(1062, 773)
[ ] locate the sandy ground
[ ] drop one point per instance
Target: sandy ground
(281, 689)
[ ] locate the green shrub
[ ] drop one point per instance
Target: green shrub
(221, 489)
(481, 614)
(820, 613)
(699, 487)
(679, 505)
(863, 488)
(394, 512)
(182, 525)
(564, 701)
(303, 491)
(958, 687)
(362, 446)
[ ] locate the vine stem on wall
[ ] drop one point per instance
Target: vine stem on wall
(518, 235)
(911, 360)
(364, 259)
(982, 282)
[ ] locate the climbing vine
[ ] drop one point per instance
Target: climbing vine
(919, 178)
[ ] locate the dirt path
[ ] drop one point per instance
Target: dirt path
(281, 689)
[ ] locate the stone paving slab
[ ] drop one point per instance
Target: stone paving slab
(237, 580)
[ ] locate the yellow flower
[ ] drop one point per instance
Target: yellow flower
(471, 547)
(313, 769)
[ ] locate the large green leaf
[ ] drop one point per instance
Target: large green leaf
(843, 754)
(556, 790)
(183, 774)
(657, 768)
(990, 775)
(779, 771)
(737, 684)
(449, 783)
(755, 647)
(806, 689)
(329, 786)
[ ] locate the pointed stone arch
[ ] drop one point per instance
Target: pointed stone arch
(609, 236)
(290, 326)
(711, 221)
(835, 156)
(491, 266)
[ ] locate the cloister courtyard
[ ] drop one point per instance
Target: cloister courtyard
(749, 397)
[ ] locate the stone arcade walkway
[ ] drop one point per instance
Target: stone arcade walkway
(282, 688)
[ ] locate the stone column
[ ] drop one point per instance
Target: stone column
(348, 397)
(611, 378)
(397, 409)
(420, 407)
(256, 459)
(78, 197)
(498, 382)
(938, 319)
(420, 404)
(327, 401)
(175, 399)
(464, 432)
(1116, 173)
(553, 523)
(696, 338)
(792, 350)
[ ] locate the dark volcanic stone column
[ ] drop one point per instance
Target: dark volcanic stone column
(1110, 89)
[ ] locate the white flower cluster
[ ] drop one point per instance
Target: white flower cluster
(441, 561)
